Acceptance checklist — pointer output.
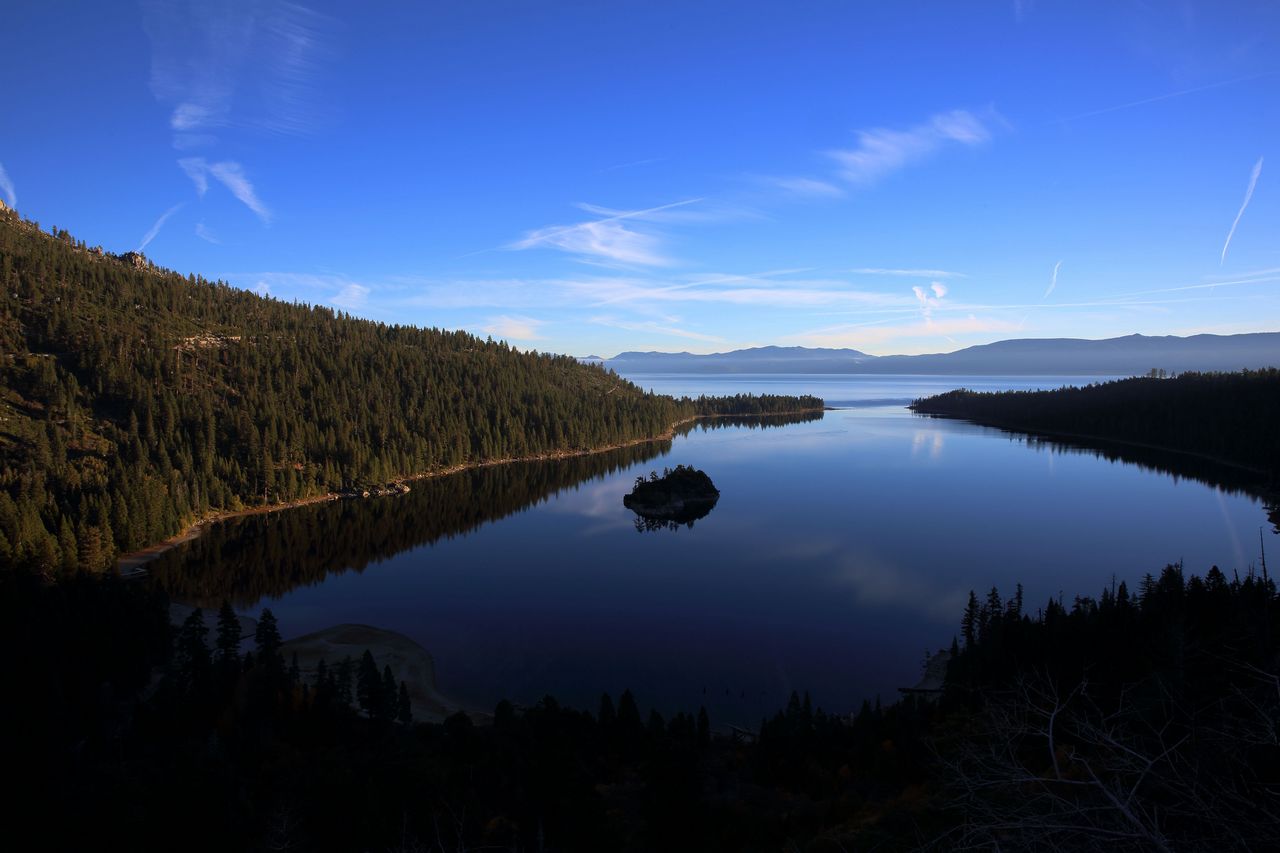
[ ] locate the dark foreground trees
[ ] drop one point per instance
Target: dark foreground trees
(1137, 720)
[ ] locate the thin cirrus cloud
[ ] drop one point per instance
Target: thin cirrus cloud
(352, 296)
(227, 66)
(882, 151)
(806, 187)
(907, 273)
(870, 335)
(610, 240)
(159, 223)
(516, 328)
(1248, 196)
(6, 185)
(229, 174)
(656, 328)
(931, 298)
(204, 233)
(731, 290)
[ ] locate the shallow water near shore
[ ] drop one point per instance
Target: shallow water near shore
(841, 549)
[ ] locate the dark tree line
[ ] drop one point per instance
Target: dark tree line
(1142, 719)
(136, 401)
(1229, 416)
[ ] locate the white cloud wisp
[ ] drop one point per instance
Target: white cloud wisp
(231, 175)
(881, 151)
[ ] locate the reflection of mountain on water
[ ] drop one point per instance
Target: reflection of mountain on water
(248, 558)
(1230, 478)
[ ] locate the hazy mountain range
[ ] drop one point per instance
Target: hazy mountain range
(1129, 355)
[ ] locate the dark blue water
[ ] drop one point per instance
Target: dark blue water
(840, 551)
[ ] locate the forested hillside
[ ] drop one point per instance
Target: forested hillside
(1228, 416)
(134, 401)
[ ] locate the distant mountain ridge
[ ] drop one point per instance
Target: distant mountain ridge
(1123, 356)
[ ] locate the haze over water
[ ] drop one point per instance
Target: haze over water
(840, 550)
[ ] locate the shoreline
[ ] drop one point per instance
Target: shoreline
(133, 564)
(1101, 439)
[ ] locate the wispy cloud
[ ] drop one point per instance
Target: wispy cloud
(203, 232)
(159, 223)
(6, 185)
(198, 171)
(513, 328)
(806, 187)
(922, 333)
(1248, 196)
(1165, 97)
(731, 290)
(645, 162)
(881, 151)
(908, 273)
(229, 174)
(237, 65)
(353, 297)
(656, 328)
(1053, 280)
(608, 239)
(931, 298)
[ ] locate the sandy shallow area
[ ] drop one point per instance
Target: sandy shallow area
(409, 662)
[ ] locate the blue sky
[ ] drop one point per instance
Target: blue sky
(605, 176)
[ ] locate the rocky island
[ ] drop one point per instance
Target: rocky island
(679, 497)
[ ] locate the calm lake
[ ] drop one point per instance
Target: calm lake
(842, 547)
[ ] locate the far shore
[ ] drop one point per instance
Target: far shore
(133, 564)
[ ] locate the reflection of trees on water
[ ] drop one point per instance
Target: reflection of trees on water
(655, 525)
(246, 559)
(1229, 478)
(748, 422)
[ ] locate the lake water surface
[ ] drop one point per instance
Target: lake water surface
(841, 549)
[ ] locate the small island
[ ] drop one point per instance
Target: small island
(680, 496)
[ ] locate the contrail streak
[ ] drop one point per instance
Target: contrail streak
(1165, 97)
(155, 229)
(1248, 194)
(1053, 281)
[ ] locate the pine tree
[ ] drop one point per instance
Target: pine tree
(267, 639)
(387, 696)
(629, 723)
(228, 638)
(608, 716)
(969, 623)
(404, 708)
(192, 652)
(368, 684)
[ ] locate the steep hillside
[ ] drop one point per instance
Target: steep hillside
(134, 400)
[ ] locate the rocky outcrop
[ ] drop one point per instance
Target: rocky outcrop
(377, 491)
